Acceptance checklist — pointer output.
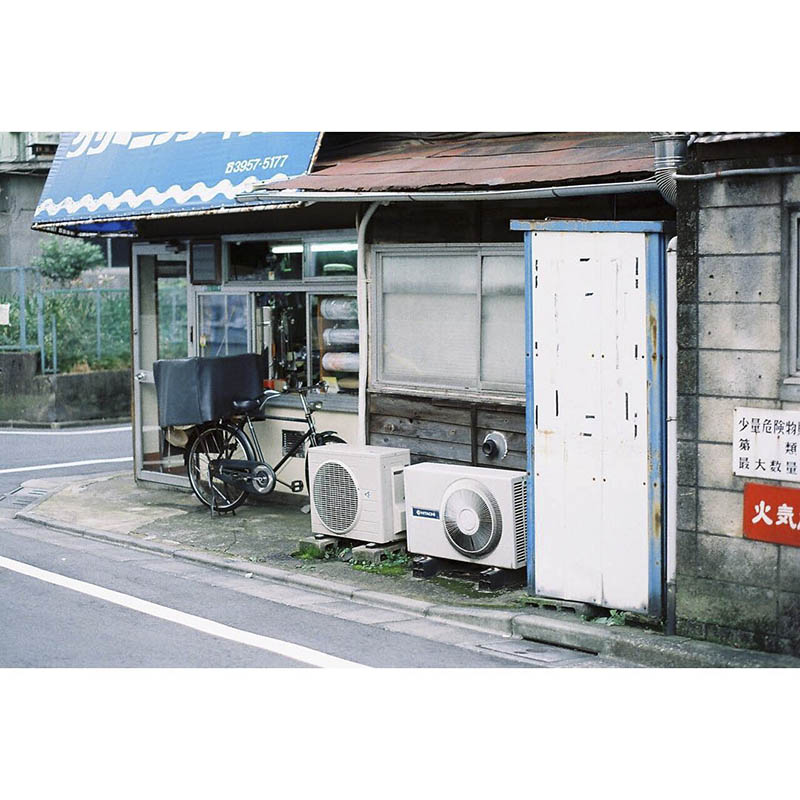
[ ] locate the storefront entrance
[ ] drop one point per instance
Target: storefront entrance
(294, 304)
(161, 329)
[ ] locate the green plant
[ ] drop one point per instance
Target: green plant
(614, 618)
(396, 563)
(75, 315)
(63, 260)
(309, 552)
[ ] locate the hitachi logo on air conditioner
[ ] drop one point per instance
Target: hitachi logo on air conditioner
(428, 513)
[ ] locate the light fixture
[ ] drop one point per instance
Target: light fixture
(334, 247)
(287, 248)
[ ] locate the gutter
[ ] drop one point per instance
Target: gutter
(260, 195)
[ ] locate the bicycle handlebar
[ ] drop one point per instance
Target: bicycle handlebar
(320, 386)
(271, 394)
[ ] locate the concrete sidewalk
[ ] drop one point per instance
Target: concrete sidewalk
(262, 538)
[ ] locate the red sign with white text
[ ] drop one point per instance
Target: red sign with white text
(771, 514)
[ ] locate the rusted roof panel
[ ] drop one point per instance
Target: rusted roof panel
(475, 160)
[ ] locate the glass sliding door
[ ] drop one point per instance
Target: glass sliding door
(160, 330)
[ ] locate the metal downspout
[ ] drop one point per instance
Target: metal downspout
(671, 152)
(363, 322)
(670, 562)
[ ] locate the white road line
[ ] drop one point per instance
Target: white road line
(295, 652)
(93, 431)
(67, 464)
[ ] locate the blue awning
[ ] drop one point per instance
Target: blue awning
(100, 183)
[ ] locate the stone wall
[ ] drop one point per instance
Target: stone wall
(733, 279)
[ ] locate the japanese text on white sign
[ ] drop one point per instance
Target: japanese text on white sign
(766, 444)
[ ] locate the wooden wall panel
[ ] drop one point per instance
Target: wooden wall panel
(446, 431)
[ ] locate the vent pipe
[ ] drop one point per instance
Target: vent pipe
(671, 152)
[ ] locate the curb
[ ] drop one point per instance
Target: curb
(10, 424)
(13, 424)
(640, 647)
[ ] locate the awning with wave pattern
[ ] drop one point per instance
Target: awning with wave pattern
(101, 182)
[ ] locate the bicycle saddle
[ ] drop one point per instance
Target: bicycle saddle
(246, 406)
(251, 406)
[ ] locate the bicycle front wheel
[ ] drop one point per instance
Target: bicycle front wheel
(212, 444)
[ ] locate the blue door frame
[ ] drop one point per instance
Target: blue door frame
(656, 391)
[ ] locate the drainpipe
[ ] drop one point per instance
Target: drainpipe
(671, 152)
(738, 173)
(363, 322)
(672, 432)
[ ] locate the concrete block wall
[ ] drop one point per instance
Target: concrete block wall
(732, 261)
(19, 196)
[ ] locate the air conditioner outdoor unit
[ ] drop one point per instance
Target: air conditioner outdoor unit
(357, 492)
(473, 514)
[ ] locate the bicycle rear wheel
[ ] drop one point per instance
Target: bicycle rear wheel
(216, 442)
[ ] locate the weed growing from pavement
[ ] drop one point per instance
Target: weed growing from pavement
(614, 618)
(396, 563)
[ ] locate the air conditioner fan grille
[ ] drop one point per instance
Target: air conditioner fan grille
(472, 522)
(335, 497)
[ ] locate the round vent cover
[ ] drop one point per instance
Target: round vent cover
(335, 497)
(471, 517)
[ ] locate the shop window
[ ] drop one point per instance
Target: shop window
(281, 336)
(204, 263)
(429, 319)
(171, 310)
(451, 318)
(265, 261)
(305, 338)
(332, 259)
(334, 341)
(222, 324)
(503, 321)
(306, 329)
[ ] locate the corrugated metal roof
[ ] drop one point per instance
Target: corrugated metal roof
(392, 162)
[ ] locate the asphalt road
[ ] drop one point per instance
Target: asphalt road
(67, 601)
(34, 453)
(93, 604)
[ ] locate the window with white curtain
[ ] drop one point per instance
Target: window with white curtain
(451, 317)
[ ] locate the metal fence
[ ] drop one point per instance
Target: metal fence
(70, 328)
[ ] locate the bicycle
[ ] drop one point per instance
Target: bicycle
(225, 464)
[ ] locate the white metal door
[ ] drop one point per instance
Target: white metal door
(590, 390)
